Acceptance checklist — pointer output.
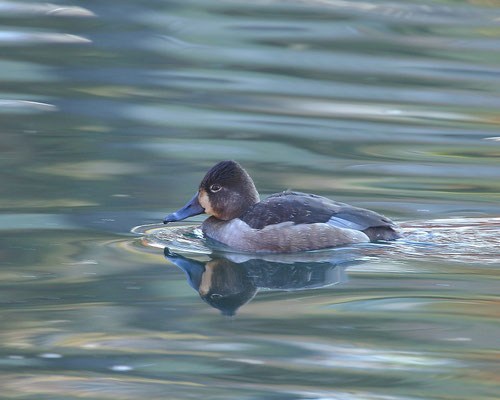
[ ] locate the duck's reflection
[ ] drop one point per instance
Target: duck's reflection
(228, 281)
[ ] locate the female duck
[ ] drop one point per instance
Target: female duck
(284, 222)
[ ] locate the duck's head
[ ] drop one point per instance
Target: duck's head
(225, 192)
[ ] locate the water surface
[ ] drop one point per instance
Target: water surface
(111, 113)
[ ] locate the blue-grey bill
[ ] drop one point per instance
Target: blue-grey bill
(193, 207)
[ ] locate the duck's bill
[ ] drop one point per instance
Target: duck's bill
(193, 207)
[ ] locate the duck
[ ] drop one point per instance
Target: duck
(284, 222)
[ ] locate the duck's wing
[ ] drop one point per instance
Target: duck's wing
(304, 208)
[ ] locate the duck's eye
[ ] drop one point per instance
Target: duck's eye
(215, 188)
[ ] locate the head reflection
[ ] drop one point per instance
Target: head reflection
(228, 281)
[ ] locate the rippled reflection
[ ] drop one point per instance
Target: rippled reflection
(228, 281)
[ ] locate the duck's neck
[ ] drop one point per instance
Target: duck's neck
(252, 198)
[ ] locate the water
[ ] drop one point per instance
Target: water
(111, 113)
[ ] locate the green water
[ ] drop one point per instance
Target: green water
(110, 114)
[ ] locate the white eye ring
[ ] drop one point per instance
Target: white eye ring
(215, 188)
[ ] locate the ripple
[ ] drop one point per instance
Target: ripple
(183, 238)
(462, 239)
(24, 38)
(24, 106)
(26, 9)
(467, 240)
